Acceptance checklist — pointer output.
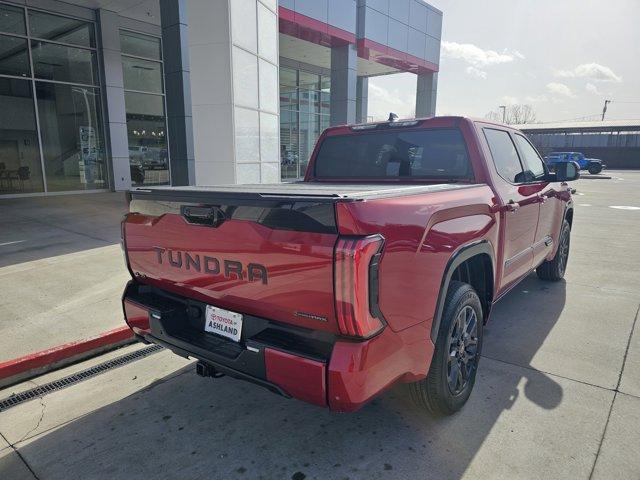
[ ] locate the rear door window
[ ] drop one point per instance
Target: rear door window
(416, 154)
(504, 154)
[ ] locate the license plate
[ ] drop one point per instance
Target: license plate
(223, 322)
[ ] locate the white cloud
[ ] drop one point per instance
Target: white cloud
(473, 54)
(509, 100)
(560, 89)
(383, 100)
(518, 54)
(476, 72)
(536, 98)
(593, 71)
(591, 88)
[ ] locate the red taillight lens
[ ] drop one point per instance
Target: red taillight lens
(356, 285)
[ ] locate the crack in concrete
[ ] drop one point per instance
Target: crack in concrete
(22, 459)
(44, 407)
(615, 395)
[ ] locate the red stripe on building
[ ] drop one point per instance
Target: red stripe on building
(311, 30)
(370, 50)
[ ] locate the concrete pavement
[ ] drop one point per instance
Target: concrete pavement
(61, 270)
(558, 395)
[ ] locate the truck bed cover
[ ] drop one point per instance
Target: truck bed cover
(303, 191)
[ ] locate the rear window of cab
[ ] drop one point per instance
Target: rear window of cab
(395, 154)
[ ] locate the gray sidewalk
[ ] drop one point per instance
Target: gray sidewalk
(61, 270)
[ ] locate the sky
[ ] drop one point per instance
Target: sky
(562, 57)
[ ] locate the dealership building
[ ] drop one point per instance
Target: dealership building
(108, 94)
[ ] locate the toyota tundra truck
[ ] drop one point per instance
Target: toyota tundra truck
(380, 268)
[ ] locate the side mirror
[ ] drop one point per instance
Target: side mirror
(567, 171)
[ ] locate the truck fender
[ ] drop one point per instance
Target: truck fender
(463, 253)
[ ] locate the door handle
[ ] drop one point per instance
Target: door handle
(542, 198)
(205, 216)
(511, 206)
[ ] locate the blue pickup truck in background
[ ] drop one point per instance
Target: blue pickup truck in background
(593, 165)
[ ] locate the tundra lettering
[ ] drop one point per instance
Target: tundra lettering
(232, 268)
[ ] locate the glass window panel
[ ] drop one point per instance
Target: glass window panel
(61, 29)
(289, 145)
(324, 122)
(146, 130)
(325, 104)
(72, 137)
(309, 133)
(325, 84)
(309, 81)
(64, 64)
(505, 156)
(288, 79)
(427, 153)
(14, 56)
(142, 75)
(20, 167)
(12, 20)
(140, 45)
(536, 171)
(305, 101)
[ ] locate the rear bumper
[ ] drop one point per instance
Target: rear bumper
(312, 366)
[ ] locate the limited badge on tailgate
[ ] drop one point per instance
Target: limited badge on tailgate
(223, 322)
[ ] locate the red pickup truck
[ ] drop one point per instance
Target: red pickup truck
(380, 267)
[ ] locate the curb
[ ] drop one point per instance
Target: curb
(595, 177)
(19, 369)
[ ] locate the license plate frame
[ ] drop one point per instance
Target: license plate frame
(223, 322)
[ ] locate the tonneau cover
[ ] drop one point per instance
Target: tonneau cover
(329, 192)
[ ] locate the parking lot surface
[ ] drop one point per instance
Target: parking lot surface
(557, 395)
(61, 270)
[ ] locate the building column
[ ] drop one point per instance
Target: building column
(233, 49)
(344, 73)
(175, 53)
(362, 99)
(426, 90)
(115, 116)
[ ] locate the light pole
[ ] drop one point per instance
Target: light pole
(504, 112)
(604, 110)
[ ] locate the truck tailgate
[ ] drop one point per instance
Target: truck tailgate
(268, 259)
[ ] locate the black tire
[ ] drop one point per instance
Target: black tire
(595, 169)
(553, 270)
(435, 392)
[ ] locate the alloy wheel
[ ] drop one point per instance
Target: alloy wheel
(463, 350)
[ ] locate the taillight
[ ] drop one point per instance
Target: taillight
(356, 285)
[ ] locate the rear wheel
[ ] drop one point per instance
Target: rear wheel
(595, 168)
(553, 270)
(455, 361)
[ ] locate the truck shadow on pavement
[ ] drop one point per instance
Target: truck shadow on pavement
(45, 227)
(188, 427)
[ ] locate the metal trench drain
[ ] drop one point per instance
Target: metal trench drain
(50, 387)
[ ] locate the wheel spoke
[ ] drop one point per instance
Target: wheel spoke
(471, 325)
(465, 373)
(460, 378)
(453, 375)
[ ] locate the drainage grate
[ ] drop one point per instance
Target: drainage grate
(37, 392)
